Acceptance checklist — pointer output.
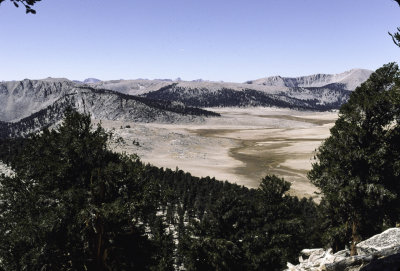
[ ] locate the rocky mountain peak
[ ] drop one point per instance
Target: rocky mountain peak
(349, 79)
(91, 80)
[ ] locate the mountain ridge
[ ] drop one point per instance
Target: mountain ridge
(350, 79)
(315, 92)
(29, 105)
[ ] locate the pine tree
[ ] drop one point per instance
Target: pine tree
(75, 205)
(357, 167)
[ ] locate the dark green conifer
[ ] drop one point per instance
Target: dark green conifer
(357, 167)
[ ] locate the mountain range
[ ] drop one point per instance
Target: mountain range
(349, 80)
(314, 92)
(29, 105)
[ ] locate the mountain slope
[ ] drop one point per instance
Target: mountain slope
(19, 99)
(325, 98)
(29, 105)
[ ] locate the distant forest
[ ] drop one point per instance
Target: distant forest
(226, 97)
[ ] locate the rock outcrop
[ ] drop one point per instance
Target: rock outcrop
(380, 252)
(317, 259)
(387, 239)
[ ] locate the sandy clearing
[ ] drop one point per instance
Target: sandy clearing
(242, 146)
(172, 146)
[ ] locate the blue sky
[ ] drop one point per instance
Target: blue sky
(229, 40)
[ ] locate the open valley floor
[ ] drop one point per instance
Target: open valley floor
(241, 146)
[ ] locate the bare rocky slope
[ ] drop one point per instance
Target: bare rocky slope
(29, 105)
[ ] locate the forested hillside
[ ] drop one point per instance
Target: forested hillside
(312, 98)
(99, 210)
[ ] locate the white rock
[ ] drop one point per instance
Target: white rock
(308, 251)
(387, 239)
(318, 254)
(342, 253)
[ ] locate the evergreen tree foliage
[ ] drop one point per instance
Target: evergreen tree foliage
(396, 36)
(358, 166)
(75, 205)
(261, 232)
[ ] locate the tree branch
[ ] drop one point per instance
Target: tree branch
(28, 4)
(396, 36)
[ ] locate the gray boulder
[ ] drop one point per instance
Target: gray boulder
(317, 259)
(387, 239)
(379, 251)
